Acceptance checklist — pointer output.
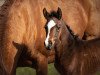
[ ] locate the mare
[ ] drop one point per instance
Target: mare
(22, 32)
(73, 56)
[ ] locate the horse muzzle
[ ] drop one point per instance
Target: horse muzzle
(48, 45)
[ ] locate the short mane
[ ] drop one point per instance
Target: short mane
(53, 14)
(72, 33)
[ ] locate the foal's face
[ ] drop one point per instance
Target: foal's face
(52, 32)
(49, 34)
(51, 26)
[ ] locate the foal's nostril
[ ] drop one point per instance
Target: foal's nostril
(49, 45)
(44, 44)
(50, 42)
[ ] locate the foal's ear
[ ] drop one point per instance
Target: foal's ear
(45, 13)
(59, 12)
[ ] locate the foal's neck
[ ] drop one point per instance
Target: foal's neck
(66, 43)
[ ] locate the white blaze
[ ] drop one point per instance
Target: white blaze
(50, 24)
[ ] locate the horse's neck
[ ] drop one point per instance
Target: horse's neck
(67, 38)
(66, 43)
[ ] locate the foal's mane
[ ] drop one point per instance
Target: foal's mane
(71, 32)
(53, 14)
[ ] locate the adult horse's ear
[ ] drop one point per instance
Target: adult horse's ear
(59, 12)
(45, 13)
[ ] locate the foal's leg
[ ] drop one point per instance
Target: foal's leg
(42, 65)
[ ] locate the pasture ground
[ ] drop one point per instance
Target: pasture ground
(30, 71)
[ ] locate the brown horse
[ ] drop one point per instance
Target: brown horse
(22, 30)
(72, 55)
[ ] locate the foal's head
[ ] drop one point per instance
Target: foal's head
(55, 28)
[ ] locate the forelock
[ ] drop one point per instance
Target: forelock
(51, 24)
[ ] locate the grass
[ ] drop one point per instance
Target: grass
(25, 71)
(30, 71)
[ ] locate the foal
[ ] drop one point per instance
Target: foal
(73, 56)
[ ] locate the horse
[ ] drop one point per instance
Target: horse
(73, 56)
(22, 32)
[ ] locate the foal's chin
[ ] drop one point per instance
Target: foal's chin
(49, 47)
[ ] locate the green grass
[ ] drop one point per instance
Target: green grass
(25, 71)
(52, 70)
(30, 71)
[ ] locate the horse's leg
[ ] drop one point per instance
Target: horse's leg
(39, 61)
(8, 65)
(10, 58)
(42, 65)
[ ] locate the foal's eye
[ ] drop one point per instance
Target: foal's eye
(58, 28)
(45, 27)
